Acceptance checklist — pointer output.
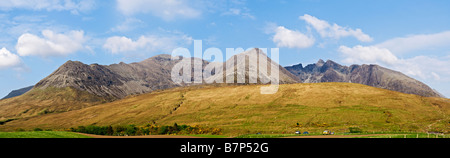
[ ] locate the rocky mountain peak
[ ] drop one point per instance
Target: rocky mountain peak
(371, 75)
(120, 80)
(320, 63)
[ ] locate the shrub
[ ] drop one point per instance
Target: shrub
(81, 129)
(109, 130)
(163, 130)
(132, 130)
(37, 129)
(355, 130)
(119, 130)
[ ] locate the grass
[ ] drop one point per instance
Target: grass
(243, 110)
(207, 136)
(385, 135)
(42, 134)
(62, 134)
(410, 135)
(265, 135)
(47, 101)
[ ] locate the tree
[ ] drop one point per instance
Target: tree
(175, 127)
(109, 130)
(163, 130)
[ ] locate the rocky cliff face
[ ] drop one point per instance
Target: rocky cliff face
(116, 80)
(246, 69)
(120, 80)
(371, 75)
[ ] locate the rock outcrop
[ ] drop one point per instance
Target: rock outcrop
(371, 75)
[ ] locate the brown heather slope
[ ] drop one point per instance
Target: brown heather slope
(242, 109)
(45, 101)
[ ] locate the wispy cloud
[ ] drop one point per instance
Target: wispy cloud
(74, 6)
(167, 10)
(128, 25)
(412, 43)
(146, 44)
(334, 31)
(244, 12)
(424, 67)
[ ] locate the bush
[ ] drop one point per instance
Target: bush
(132, 130)
(109, 130)
(119, 130)
(355, 130)
(98, 130)
(37, 129)
(163, 130)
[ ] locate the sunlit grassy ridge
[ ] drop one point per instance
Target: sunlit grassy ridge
(242, 109)
(41, 134)
(45, 101)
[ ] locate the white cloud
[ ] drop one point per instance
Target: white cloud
(51, 44)
(128, 25)
(147, 44)
(423, 67)
(74, 6)
(417, 42)
(367, 54)
(239, 12)
(435, 76)
(292, 39)
(335, 31)
(8, 59)
(167, 10)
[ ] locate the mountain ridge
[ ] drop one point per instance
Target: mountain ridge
(371, 75)
(17, 92)
(241, 109)
(120, 80)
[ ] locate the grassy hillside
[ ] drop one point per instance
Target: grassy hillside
(242, 109)
(46, 101)
(42, 134)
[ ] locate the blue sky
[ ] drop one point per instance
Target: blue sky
(410, 36)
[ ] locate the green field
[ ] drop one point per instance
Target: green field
(42, 134)
(411, 135)
(356, 135)
(62, 134)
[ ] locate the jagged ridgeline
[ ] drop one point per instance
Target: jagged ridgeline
(371, 75)
(121, 80)
(111, 82)
(242, 109)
